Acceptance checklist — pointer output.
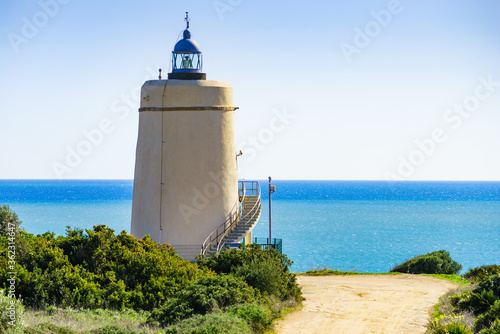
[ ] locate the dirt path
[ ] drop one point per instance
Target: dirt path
(364, 304)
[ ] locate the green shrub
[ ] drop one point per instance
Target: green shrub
(9, 222)
(486, 320)
(492, 283)
(11, 312)
(224, 323)
(477, 306)
(264, 276)
(475, 301)
(149, 273)
(96, 268)
(258, 316)
(10, 237)
(45, 277)
(453, 328)
(266, 270)
(204, 296)
(494, 329)
(480, 299)
(482, 273)
(438, 262)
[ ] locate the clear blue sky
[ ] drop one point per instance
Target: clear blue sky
(326, 89)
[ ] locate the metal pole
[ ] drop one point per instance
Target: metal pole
(270, 224)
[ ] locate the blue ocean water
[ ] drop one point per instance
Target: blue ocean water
(366, 226)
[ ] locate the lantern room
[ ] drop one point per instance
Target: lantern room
(187, 60)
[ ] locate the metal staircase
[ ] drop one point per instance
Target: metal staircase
(240, 222)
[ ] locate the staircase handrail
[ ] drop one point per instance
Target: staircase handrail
(255, 208)
(249, 217)
(214, 238)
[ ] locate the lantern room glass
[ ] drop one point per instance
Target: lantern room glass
(187, 62)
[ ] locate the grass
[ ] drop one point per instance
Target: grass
(456, 279)
(78, 321)
(332, 272)
(444, 307)
(82, 320)
(52, 320)
(288, 310)
(285, 311)
(444, 311)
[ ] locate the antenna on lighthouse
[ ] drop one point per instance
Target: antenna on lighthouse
(187, 20)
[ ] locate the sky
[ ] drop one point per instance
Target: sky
(326, 90)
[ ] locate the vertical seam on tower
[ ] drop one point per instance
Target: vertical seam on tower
(161, 159)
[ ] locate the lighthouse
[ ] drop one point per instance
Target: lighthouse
(186, 190)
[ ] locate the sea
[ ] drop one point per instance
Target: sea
(363, 226)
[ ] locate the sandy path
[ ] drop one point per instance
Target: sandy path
(364, 304)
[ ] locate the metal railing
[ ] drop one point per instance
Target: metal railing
(213, 239)
(247, 219)
(265, 244)
(216, 239)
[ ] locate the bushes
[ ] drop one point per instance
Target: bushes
(97, 268)
(494, 329)
(492, 283)
(237, 292)
(482, 273)
(480, 299)
(264, 276)
(483, 301)
(214, 323)
(476, 302)
(438, 262)
(479, 305)
(266, 270)
(489, 317)
(453, 328)
(9, 222)
(137, 273)
(251, 286)
(257, 316)
(11, 312)
(205, 296)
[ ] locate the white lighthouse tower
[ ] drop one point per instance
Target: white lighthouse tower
(186, 190)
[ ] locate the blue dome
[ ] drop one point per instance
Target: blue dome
(187, 44)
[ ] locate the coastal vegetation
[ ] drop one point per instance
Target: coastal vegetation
(439, 262)
(472, 308)
(144, 286)
(96, 281)
(328, 271)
